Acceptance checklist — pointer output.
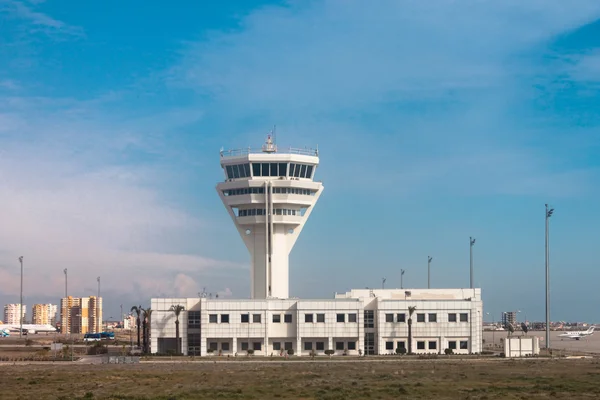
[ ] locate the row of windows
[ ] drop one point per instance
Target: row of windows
(261, 211)
(261, 190)
(431, 317)
(245, 318)
(431, 345)
(194, 319)
(309, 318)
(320, 346)
(269, 169)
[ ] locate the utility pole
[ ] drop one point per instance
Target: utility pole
(548, 215)
(401, 277)
(383, 283)
(471, 242)
(429, 258)
(21, 305)
(67, 324)
(122, 319)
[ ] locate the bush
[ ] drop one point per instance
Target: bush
(250, 351)
(290, 352)
(401, 350)
(329, 352)
(448, 351)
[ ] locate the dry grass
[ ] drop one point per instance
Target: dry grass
(574, 379)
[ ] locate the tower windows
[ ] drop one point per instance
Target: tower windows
(237, 171)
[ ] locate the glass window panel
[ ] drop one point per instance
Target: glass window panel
(303, 171)
(297, 171)
(246, 170)
(229, 171)
(309, 170)
(265, 169)
(274, 169)
(292, 168)
(256, 169)
(282, 169)
(236, 171)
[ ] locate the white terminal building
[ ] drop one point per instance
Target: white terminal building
(269, 195)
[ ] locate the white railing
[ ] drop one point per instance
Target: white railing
(289, 150)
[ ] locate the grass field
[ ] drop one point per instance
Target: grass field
(497, 379)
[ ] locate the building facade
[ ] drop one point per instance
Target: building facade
(44, 314)
(269, 195)
(358, 322)
(80, 315)
(11, 313)
(509, 318)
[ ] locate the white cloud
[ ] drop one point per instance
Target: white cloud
(39, 22)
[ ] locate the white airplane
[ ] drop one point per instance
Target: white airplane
(4, 333)
(578, 334)
(28, 328)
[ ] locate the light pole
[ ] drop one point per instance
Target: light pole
(21, 305)
(98, 322)
(548, 215)
(401, 277)
(383, 283)
(429, 258)
(121, 319)
(471, 243)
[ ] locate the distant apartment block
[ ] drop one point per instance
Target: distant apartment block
(129, 322)
(509, 317)
(44, 314)
(11, 313)
(81, 314)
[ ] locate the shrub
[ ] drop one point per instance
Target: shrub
(401, 350)
(448, 351)
(290, 352)
(250, 351)
(329, 352)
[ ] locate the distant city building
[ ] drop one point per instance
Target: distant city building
(509, 317)
(44, 314)
(129, 322)
(81, 314)
(11, 313)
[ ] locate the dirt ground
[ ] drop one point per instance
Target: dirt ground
(401, 379)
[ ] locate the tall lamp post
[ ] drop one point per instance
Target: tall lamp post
(98, 322)
(401, 278)
(21, 305)
(66, 328)
(471, 243)
(429, 258)
(383, 283)
(548, 215)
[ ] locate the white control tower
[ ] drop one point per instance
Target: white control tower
(269, 195)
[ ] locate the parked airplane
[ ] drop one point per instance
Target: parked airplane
(578, 334)
(28, 328)
(4, 333)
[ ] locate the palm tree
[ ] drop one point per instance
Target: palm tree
(411, 310)
(177, 309)
(138, 311)
(146, 328)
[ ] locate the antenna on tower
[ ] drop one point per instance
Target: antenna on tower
(269, 146)
(275, 134)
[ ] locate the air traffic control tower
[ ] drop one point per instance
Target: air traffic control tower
(269, 195)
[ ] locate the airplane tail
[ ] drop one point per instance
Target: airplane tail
(591, 329)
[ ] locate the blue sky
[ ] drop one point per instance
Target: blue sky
(435, 121)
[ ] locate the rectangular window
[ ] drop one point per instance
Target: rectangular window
(274, 169)
(351, 345)
(401, 317)
(452, 345)
(213, 346)
(303, 171)
(229, 172)
(225, 346)
(287, 318)
(246, 170)
(224, 318)
(297, 171)
(452, 317)
(401, 345)
(351, 317)
(264, 169)
(212, 318)
(292, 168)
(282, 169)
(276, 318)
(256, 169)
(339, 345)
(320, 346)
(420, 317)
(276, 346)
(256, 346)
(320, 317)
(244, 345)
(432, 317)
(289, 345)
(245, 318)
(236, 171)
(193, 319)
(340, 317)
(256, 318)
(389, 345)
(369, 319)
(421, 345)
(464, 345)
(432, 345)
(464, 317)
(309, 170)
(307, 345)
(389, 317)
(308, 318)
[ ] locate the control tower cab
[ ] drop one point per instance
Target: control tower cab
(269, 195)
